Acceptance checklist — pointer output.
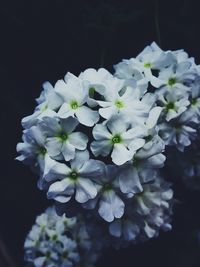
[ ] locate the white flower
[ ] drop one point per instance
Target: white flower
(175, 78)
(108, 200)
(74, 96)
(126, 102)
(143, 167)
(61, 141)
(177, 133)
(48, 103)
(49, 246)
(32, 150)
(117, 137)
(152, 57)
(173, 105)
(78, 179)
(146, 213)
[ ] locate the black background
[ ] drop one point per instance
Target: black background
(42, 40)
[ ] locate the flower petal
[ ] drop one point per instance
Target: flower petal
(87, 116)
(68, 151)
(85, 190)
(69, 124)
(53, 146)
(78, 140)
(120, 154)
(111, 206)
(65, 111)
(101, 147)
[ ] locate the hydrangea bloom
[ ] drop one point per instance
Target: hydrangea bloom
(148, 212)
(97, 141)
(70, 142)
(174, 77)
(56, 241)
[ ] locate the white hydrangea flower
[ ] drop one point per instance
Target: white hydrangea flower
(48, 245)
(147, 213)
(62, 141)
(48, 102)
(32, 150)
(108, 200)
(173, 105)
(63, 137)
(126, 102)
(78, 179)
(192, 113)
(75, 96)
(174, 78)
(177, 133)
(117, 137)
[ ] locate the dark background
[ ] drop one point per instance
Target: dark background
(42, 40)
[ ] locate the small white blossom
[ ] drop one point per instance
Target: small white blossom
(62, 141)
(117, 137)
(77, 179)
(75, 96)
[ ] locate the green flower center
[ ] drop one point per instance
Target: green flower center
(172, 81)
(107, 187)
(42, 150)
(63, 136)
(91, 92)
(65, 254)
(48, 254)
(116, 139)
(193, 101)
(147, 65)
(74, 105)
(148, 138)
(44, 107)
(170, 105)
(119, 104)
(73, 175)
(54, 237)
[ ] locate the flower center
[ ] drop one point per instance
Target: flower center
(170, 105)
(42, 150)
(119, 104)
(54, 237)
(65, 254)
(74, 105)
(147, 65)
(116, 139)
(91, 92)
(148, 138)
(48, 254)
(107, 187)
(194, 101)
(63, 136)
(171, 81)
(73, 175)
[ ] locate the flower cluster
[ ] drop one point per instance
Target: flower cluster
(147, 213)
(56, 241)
(98, 142)
(175, 79)
(93, 139)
